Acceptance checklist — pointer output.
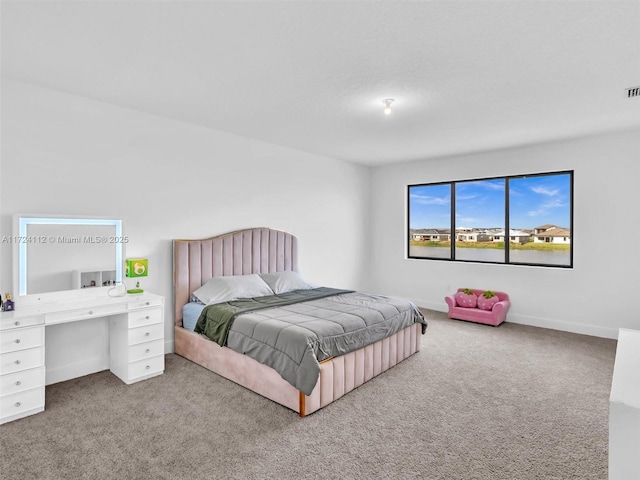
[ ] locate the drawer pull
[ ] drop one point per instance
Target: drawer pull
(17, 340)
(17, 323)
(17, 362)
(147, 351)
(18, 383)
(147, 317)
(18, 404)
(148, 303)
(147, 367)
(90, 312)
(147, 334)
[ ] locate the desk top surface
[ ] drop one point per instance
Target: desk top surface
(126, 301)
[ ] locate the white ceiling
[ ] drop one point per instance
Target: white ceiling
(311, 75)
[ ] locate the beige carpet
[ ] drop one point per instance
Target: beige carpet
(477, 402)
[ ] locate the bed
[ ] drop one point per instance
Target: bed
(267, 251)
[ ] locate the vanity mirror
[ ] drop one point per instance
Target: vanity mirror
(65, 256)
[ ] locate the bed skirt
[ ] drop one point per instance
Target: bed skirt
(338, 375)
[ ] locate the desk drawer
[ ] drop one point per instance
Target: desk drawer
(21, 360)
(145, 317)
(145, 303)
(8, 321)
(21, 381)
(83, 313)
(146, 350)
(21, 338)
(148, 366)
(146, 333)
(21, 402)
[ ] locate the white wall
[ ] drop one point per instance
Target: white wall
(596, 297)
(62, 154)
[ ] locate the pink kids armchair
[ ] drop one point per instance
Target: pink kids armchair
(495, 316)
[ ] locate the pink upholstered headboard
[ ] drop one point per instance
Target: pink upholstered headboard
(255, 250)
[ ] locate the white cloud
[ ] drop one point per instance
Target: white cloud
(490, 185)
(465, 197)
(429, 200)
(542, 190)
(537, 213)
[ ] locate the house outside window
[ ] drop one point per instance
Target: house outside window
(535, 212)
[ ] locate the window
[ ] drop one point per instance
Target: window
(479, 212)
(431, 207)
(525, 219)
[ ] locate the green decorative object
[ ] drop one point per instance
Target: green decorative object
(133, 291)
(488, 294)
(136, 267)
(467, 291)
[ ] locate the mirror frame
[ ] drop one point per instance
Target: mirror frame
(22, 221)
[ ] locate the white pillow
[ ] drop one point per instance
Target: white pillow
(223, 289)
(283, 282)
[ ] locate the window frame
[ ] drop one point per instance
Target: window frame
(507, 178)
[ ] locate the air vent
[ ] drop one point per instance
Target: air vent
(633, 92)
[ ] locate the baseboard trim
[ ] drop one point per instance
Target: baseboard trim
(75, 370)
(553, 324)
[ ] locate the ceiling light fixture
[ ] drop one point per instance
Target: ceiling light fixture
(387, 105)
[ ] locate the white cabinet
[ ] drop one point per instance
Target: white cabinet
(137, 342)
(92, 278)
(136, 348)
(21, 366)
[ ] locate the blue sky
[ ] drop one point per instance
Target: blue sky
(533, 201)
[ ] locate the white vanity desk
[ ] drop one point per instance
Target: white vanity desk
(136, 344)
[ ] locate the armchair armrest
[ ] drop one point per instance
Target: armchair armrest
(451, 300)
(501, 305)
(500, 310)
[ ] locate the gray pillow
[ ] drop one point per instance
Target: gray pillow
(223, 289)
(283, 282)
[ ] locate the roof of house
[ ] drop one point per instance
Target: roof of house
(556, 232)
(545, 226)
(430, 231)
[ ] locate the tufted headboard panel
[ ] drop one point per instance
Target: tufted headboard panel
(254, 250)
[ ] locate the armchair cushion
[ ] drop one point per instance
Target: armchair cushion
(487, 303)
(466, 300)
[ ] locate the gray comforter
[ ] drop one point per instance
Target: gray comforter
(293, 339)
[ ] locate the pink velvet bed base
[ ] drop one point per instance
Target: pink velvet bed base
(263, 250)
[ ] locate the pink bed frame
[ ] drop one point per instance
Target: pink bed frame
(263, 250)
